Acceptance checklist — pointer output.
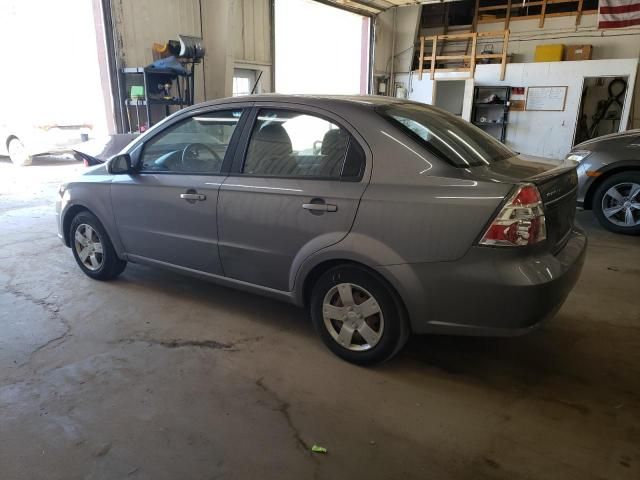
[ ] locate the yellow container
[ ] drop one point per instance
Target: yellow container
(549, 53)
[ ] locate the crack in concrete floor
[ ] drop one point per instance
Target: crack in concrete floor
(187, 343)
(283, 408)
(53, 313)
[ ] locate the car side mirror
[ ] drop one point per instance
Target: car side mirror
(120, 164)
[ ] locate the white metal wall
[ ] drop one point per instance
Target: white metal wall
(544, 134)
(251, 33)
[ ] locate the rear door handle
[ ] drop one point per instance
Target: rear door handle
(192, 197)
(320, 207)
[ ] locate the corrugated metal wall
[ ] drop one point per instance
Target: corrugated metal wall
(252, 30)
(235, 32)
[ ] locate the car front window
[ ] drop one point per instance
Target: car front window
(447, 136)
(195, 145)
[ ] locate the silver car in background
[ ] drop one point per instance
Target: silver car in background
(382, 217)
(609, 180)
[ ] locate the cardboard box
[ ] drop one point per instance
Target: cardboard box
(578, 52)
(549, 53)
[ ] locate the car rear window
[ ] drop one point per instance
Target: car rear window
(445, 135)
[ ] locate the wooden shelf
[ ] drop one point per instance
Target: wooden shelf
(515, 5)
(472, 38)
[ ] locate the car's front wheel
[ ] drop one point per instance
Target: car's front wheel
(616, 203)
(93, 249)
(18, 153)
(357, 316)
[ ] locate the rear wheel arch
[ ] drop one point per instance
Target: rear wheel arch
(588, 198)
(318, 270)
(386, 335)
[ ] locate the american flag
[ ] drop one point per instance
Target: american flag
(618, 13)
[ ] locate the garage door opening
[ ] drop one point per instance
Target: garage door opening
(320, 49)
(56, 90)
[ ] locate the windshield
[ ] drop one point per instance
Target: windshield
(445, 135)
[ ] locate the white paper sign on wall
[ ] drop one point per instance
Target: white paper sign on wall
(547, 99)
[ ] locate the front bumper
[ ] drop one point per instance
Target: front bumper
(490, 291)
(59, 221)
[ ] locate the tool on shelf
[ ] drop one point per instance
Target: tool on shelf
(169, 81)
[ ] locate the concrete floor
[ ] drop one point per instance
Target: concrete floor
(158, 376)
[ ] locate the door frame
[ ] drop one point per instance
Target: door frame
(625, 106)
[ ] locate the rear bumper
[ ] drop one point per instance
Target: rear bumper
(489, 291)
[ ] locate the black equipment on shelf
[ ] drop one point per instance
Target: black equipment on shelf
(490, 110)
(167, 82)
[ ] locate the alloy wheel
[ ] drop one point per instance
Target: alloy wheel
(353, 317)
(88, 247)
(621, 204)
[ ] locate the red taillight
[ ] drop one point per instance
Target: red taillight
(527, 195)
(520, 222)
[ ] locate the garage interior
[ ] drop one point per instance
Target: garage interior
(162, 376)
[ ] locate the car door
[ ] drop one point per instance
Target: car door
(294, 189)
(166, 210)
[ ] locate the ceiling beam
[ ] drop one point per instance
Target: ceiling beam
(375, 7)
(353, 8)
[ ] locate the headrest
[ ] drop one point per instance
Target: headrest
(334, 142)
(274, 133)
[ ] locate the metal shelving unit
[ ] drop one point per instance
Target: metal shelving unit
(492, 116)
(182, 83)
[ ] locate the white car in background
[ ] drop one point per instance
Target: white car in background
(22, 142)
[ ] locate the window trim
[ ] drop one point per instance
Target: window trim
(245, 110)
(243, 148)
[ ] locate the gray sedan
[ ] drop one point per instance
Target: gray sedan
(609, 179)
(382, 217)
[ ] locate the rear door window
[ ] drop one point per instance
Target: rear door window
(287, 143)
(445, 135)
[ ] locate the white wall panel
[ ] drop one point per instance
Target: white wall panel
(545, 134)
(406, 29)
(251, 30)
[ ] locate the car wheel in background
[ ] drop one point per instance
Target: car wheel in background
(92, 248)
(357, 316)
(616, 203)
(18, 153)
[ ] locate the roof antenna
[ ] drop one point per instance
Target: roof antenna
(253, 90)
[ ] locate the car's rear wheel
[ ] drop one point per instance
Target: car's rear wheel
(357, 316)
(18, 153)
(93, 249)
(616, 203)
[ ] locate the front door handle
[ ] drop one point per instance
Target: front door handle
(320, 207)
(193, 197)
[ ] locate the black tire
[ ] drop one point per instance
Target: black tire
(110, 266)
(392, 336)
(622, 179)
